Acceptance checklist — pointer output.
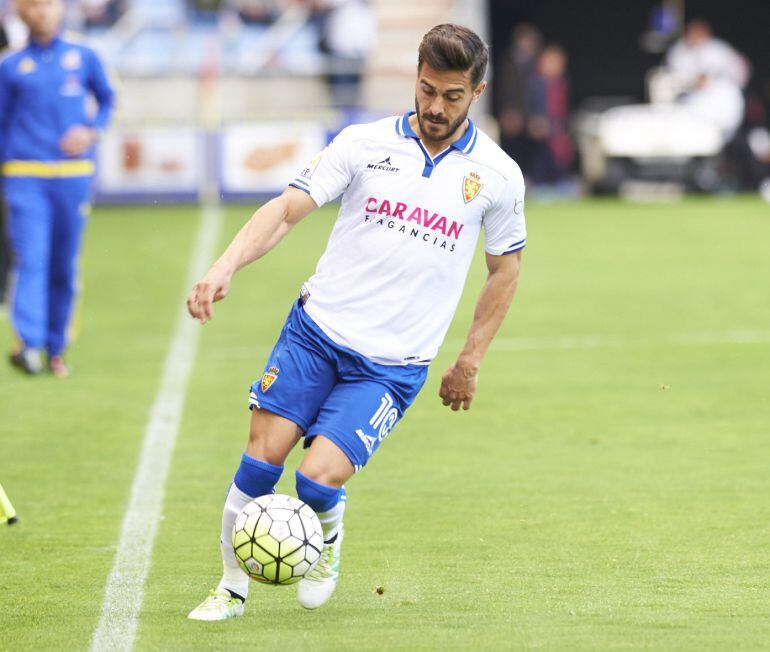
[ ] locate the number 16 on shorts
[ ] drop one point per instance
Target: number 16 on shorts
(382, 422)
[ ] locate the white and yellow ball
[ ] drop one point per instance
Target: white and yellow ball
(277, 539)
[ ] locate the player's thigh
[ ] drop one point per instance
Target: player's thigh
(297, 379)
(326, 463)
(29, 221)
(71, 204)
(271, 437)
(359, 415)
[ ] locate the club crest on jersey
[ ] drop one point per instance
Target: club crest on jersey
(71, 60)
(268, 378)
(27, 65)
(471, 186)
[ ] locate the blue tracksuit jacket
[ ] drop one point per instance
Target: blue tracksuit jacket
(44, 91)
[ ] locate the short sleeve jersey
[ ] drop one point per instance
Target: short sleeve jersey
(395, 265)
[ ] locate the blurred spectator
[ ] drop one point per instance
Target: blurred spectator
(547, 125)
(204, 5)
(348, 34)
(663, 28)
(101, 13)
(515, 78)
(749, 151)
(712, 74)
(255, 12)
(48, 137)
(16, 31)
(699, 53)
(5, 251)
(3, 38)
(206, 11)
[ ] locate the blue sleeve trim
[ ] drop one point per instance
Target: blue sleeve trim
(294, 185)
(516, 244)
(513, 251)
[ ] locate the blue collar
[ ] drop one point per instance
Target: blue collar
(464, 144)
(54, 42)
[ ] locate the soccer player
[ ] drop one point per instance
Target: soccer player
(417, 189)
(46, 144)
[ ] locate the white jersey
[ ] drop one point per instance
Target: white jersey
(398, 255)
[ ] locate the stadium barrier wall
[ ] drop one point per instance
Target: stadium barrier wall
(166, 164)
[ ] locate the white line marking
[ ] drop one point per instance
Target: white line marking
(730, 337)
(124, 592)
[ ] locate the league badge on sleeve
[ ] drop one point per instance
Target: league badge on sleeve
(471, 186)
(268, 378)
(307, 172)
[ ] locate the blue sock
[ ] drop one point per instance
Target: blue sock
(320, 497)
(255, 477)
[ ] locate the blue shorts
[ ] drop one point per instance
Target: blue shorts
(330, 390)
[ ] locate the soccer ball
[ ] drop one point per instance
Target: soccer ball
(277, 539)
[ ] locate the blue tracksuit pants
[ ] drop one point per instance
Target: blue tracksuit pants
(46, 218)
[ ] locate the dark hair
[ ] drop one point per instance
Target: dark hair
(454, 47)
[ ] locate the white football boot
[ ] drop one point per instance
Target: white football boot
(220, 605)
(317, 586)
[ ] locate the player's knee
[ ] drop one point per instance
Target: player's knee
(325, 470)
(320, 496)
(322, 474)
(260, 448)
(326, 463)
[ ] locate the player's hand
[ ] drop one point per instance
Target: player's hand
(214, 286)
(458, 385)
(77, 140)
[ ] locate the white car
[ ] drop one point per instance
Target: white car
(676, 139)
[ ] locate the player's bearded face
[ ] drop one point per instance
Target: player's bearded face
(437, 126)
(442, 100)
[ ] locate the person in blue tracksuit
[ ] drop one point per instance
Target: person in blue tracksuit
(4, 250)
(47, 134)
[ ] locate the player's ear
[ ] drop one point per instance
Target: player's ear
(479, 90)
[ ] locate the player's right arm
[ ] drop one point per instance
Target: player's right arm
(269, 224)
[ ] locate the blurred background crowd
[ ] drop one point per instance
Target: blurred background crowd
(650, 98)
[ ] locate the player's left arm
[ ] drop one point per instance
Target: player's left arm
(102, 85)
(80, 138)
(458, 384)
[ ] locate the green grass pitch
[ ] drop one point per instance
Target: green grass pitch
(609, 489)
